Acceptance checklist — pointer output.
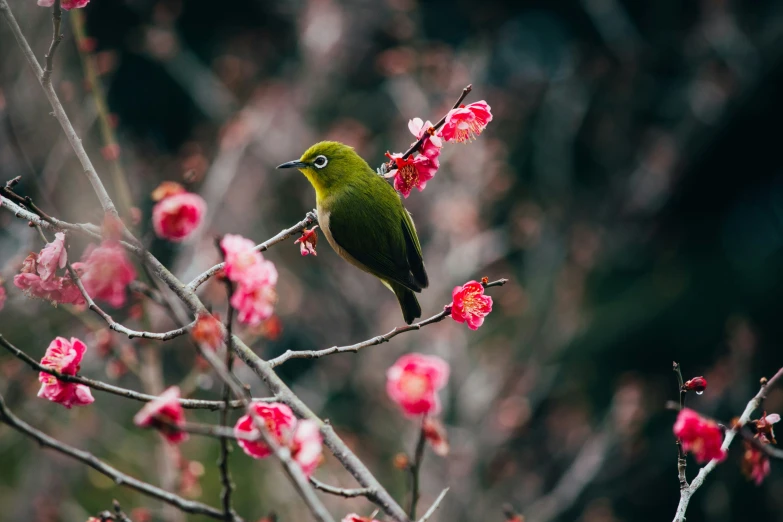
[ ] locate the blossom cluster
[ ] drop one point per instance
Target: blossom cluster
(254, 296)
(39, 277)
(700, 436)
(301, 437)
(461, 124)
(755, 463)
(65, 357)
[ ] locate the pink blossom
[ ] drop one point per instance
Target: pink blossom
(176, 217)
(65, 357)
(470, 305)
(57, 290)
(52, 257)
(161, 413)
(431, 146)
(413, 383)
(107, 272)
(755, 464)
(254, 296)
(308, 241)
(66, 4)
(3, 295)
(701, 436)
(412, 172)
(307, 446)
(466, 122)
(280, 424)
(241, 257)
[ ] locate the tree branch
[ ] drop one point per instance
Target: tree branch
(435, 505)
(193, 404)
(314, 354)
(342, 492)
(59, 112)
(755, 402)
(188, 506)
(415, 468)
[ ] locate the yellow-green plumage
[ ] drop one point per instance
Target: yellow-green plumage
(363, 219)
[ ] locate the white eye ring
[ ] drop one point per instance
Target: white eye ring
(320, 161)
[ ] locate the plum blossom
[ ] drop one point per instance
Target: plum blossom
(302, 437)
(308, 241)
(411, 172)
(700, 436)
(470, 305)
(255, 296)
(755, 463)
(207, 331)
(764, 427)
(66, 4)
(241, 257)
(107, 272)
(176, 217)
(280, 423)
(161, 413)
(307, 446)
(65, 357)
(413, 383)
(466, 122)
(52, 257)
(431, 146)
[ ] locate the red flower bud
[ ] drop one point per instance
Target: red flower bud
(697, 384)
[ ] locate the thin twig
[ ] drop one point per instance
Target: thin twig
(189, 506)
(415, 468)
(225, 448)
(342, 492)
(117, 327)
(314, 354)
(435, 505)
(57, 37)
(309, 219)
(193, 404)
(413, 148)
(682, 462)
(755, 402)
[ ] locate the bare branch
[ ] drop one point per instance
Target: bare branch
(415, 468)
(435, 505)
(192, 404)
(59, 112)
(309, 219)
(755, 402)
(117, 327)
(57, 37)
(342, 492)
(314, 354)
(188, 506)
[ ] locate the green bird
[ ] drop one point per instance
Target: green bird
(363, 219)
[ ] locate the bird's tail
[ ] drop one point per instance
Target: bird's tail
(408, 302)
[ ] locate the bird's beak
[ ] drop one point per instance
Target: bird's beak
(296, 164)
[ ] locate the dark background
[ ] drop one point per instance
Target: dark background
(629, 186)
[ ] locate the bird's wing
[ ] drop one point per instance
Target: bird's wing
(413, 250)
(356, 222)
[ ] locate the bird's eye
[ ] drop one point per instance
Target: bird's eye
(320, 161)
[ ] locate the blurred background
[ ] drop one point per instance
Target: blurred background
(629, 187)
